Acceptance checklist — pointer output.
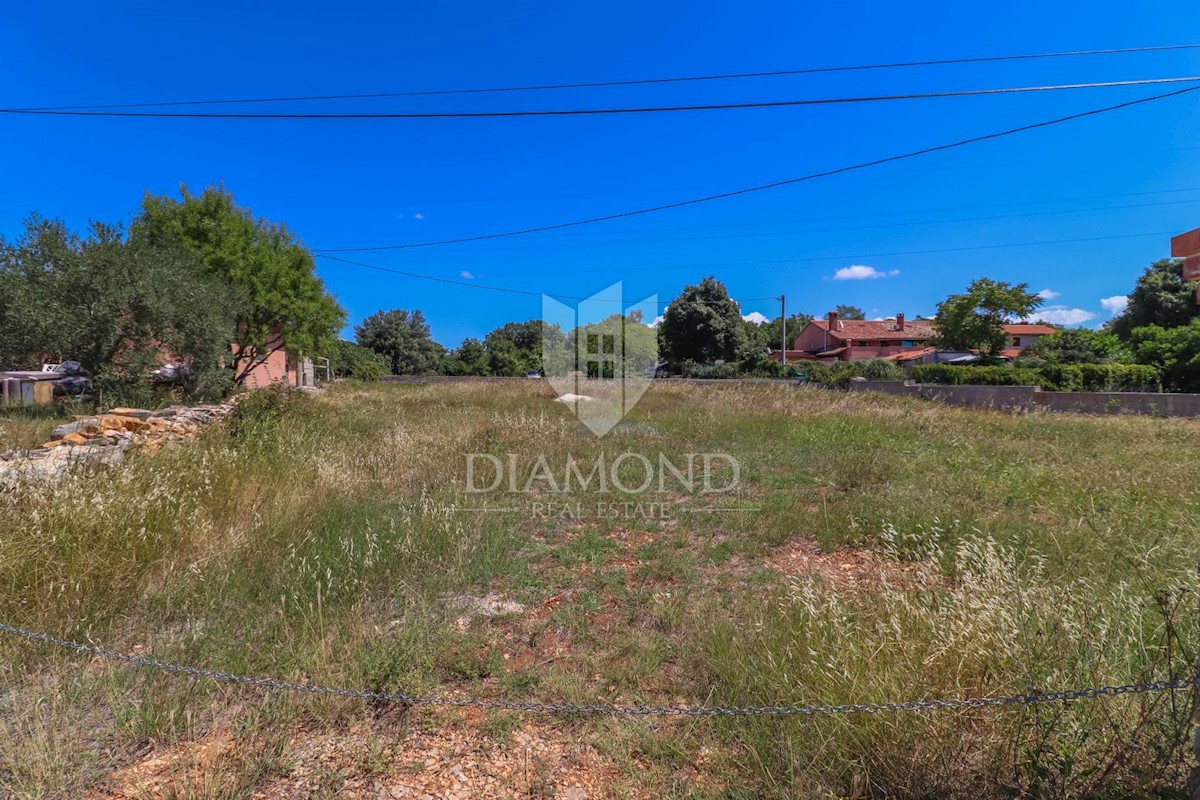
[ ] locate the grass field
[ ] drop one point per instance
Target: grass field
(875, 550)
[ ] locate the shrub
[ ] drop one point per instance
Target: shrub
(837, 375)
(1118, 377)
(691, 369)
(259, 413)
(1061, 377)
(764, 368)
(1050, 377)
(962, 375)
(350, 360)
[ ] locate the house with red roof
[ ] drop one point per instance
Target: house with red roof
(836, 339)
(896, 339)
(1023, 335)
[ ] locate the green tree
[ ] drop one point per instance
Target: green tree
(349, 360)
(702, 324)
(1174, 351)
(1161, 297)
(1077, 346)
(471, 358)
(403, 339)
(850, 312)
(618, 345)
(116, 305)
(515, 348)
(273, 275)
(773, 330)
(976, 319)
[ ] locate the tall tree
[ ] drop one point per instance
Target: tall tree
(975, 319)
(276, 287)
(515, 348)
(471, 358)
(115, 305)
(773, 330)
(703, 324)
(1175, 351)
(1161, 297)
(403, 339)
(850, 312)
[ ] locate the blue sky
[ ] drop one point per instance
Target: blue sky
(928, 225)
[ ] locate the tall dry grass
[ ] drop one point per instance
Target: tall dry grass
(325, 540)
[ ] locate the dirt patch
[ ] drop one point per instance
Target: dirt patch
(845, 567)
(402, 757)
(160, 773)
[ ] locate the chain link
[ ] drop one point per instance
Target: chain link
(1030, 698)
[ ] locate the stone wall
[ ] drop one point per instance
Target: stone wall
(1030, 397)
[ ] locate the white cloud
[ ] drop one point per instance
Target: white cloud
(468, 275)
(419, 216)
(1061, 315)
(1114, 305)
(654, 324)
(1048, 294)
(756, 318)
(861, 272)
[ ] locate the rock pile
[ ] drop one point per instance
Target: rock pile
(104, 438)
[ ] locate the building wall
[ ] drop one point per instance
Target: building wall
(1024, 341)
(813, 338)
(275, 367)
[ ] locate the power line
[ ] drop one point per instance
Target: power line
(632, 82)
(506, 290)
(575, 112)
(706, 266)
(766, 186)
(768, 234)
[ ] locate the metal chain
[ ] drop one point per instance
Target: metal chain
(1029, 698)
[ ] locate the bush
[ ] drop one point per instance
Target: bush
(838, 374)
(691, 369)
(1118, 377)
(764, 368)
(962, 375)
(259, 413)
(350, 360)
(1061, 377)
(1050, 377)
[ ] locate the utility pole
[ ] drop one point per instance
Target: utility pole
(783, 326)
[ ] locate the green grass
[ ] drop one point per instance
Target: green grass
(327, 540)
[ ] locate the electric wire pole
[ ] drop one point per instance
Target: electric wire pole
(783, 327)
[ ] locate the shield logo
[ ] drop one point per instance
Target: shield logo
(599, 356)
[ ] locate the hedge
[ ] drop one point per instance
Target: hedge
(955, 375)
(1054, 378)
(837, 374)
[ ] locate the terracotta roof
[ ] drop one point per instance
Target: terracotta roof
(1028, 329)
(909, 355)
(860, 329)
(1010, 353)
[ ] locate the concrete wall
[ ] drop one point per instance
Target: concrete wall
(1031, 397)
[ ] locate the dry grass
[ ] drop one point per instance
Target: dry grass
(899, 550)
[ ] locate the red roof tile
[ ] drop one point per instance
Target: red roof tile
(859, 329)
(909, 355)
